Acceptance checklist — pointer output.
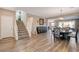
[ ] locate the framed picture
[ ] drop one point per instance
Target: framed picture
(41, 21)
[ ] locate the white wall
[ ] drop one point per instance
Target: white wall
(34, 25)
(24, 19)
(9, 8)
(29, 25)
(50, 21)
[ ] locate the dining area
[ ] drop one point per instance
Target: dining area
(65, 30)
(63, 34)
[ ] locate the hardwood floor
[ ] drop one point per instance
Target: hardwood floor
(39, 43)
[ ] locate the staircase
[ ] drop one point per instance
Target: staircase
(22, 32)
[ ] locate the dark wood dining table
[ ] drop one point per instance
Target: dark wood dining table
(64, 34)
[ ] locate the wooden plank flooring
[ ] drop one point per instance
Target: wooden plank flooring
(39, 43)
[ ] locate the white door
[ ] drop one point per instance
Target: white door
(6, 26)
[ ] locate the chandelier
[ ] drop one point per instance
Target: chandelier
(61, 14)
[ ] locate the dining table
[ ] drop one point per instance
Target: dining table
(64, 34)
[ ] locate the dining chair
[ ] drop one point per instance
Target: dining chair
(57, 33)
(73, 35)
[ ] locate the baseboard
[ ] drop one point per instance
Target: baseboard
(8, 37)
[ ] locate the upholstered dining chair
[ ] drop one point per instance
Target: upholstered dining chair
(74, 35)
(57, 33)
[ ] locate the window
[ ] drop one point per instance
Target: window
(70, 24)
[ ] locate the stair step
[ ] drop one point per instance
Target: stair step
(22, 34)
(21, 29)
(23, 38)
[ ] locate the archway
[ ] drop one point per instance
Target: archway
(19, 15)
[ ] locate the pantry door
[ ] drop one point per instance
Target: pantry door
(6, 26)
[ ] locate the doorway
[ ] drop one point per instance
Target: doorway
(19, 15)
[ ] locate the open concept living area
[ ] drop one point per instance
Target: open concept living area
(39, 29)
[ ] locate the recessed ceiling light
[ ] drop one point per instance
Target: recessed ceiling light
(61, 18)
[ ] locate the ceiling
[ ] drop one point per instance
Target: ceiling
(48, 12)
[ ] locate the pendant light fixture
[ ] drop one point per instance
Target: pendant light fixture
(61, 14)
